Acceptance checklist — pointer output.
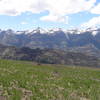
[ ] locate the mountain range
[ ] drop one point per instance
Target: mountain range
(55, 46)
(75, 40)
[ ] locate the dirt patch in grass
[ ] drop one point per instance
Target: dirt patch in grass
(3, 98)
(75, 96)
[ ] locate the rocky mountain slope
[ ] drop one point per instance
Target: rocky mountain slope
(48, 56)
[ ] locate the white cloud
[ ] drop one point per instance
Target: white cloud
(96, 9)
(52, 18)
(92, 23)
(58, 9)
(23, 23)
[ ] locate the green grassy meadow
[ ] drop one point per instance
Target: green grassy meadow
(20, 80)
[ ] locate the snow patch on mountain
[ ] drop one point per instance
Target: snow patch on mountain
(93, 31)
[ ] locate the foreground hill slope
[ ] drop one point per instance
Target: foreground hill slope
(27, 81)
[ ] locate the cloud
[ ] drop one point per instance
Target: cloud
(52, 18)
(92, 23)
(23, 23)
(58, 9)
(96, 9)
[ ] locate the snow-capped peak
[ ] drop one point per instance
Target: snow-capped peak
(94, 30)
(94, 33)
(53, 31)
(10, 31)
(20, 32)
(74, 31)
(38, 30)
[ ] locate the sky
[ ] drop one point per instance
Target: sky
(66, 14)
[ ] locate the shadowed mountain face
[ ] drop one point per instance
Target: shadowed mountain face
(48, 56)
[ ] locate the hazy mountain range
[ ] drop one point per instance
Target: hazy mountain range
(51, 38)
(75, 40)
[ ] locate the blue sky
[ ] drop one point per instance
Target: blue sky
(68, 14)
